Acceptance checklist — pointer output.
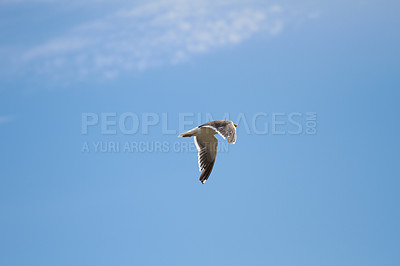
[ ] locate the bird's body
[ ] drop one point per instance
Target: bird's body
(207, 143)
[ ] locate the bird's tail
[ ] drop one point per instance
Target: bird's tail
(188, 133)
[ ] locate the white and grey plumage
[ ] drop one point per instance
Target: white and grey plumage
(207, 144)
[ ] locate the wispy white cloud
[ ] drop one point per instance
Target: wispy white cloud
(153, 34)
(6, 119)
(10, 2)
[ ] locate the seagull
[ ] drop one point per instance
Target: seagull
(206, 143)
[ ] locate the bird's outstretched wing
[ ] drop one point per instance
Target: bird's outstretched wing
(207, 148)
(225, 128)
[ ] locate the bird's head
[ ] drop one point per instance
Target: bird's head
(235, 125)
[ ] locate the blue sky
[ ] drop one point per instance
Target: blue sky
(327, 198)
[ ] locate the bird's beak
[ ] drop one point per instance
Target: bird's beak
(235, 125)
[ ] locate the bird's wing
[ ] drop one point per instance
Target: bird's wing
(223, 127)
(207, 148)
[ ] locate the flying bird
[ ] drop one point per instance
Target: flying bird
(206, 143)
